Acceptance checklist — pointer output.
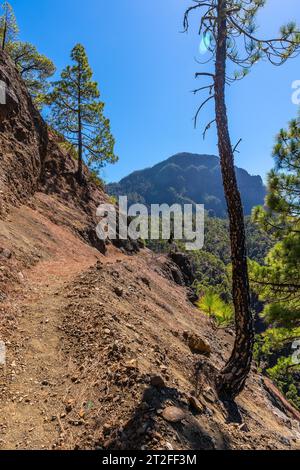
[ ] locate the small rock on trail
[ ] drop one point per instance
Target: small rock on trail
(172, 414)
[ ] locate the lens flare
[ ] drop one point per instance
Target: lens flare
(205, 43)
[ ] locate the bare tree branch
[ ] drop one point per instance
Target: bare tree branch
(208, 126)
(236, 146)
(199, 109)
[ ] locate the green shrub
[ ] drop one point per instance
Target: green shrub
(69, 148)
(212, 305)
(284, 375)
(276, 338)
(113, 200)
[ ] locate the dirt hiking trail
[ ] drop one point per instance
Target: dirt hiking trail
(31, 410)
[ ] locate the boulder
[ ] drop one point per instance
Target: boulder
(185, 265)
(5, 253)
(172, 414)
(157, 381)
(195, 404)
(196, 344)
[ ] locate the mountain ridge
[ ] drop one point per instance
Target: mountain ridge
(188, 178)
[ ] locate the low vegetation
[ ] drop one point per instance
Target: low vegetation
(211, 304)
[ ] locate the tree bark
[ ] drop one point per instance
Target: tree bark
(80, 143)
(232, 378)
(4, 32)
(80, 149)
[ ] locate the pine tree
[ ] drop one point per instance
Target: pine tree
(35, 69)
(283, 199)
(8, 25)
(77, 113)
(229, 33)
(278, 281)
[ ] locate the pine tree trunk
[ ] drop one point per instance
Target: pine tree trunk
(80, 144)
(233, 377)
(4, 33)
(80, 150)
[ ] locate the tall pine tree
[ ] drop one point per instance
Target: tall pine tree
(8, 25)
(278, 281)
(77, 113)
(34, 68)
(229, 33)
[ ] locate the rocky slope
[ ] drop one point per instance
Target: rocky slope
(33, 162)
(104, 350)
(188, 178)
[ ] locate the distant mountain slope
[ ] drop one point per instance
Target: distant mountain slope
(188, 178)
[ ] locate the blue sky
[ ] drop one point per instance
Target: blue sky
(145, 68)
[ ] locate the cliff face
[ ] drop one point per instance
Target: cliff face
(23, 139)
(33, 162)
